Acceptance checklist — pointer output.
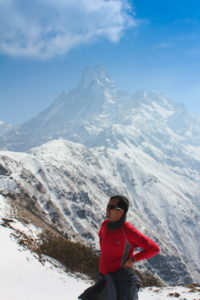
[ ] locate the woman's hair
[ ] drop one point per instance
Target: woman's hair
(123, 202)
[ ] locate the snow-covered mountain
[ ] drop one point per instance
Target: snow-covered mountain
(142, 145)
(79, 116)
(68, 185)
(96, 113)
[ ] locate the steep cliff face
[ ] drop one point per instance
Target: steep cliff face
(109, 142)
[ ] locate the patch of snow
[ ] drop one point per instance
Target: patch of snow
(194, 151)
(168, 293)
(109, 96)
(165, 113)
(4, 208)
(23, 277)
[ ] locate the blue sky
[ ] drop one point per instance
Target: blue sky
(143, 44)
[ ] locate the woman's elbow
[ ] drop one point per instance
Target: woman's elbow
(156, 249)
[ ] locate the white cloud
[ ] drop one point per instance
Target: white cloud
(43, 29)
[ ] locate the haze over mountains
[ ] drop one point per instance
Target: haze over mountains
(5, 128)
(97, 140)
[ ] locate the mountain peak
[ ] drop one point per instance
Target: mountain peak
(96, 74)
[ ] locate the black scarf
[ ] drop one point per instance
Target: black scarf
(117, 224)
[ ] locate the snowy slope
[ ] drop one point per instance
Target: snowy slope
(23, 277)
(68, 185)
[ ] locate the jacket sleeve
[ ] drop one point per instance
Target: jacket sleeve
(137, 239)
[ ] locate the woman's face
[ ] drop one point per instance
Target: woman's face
(113, 212)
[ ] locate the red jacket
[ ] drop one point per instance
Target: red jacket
(119, 244)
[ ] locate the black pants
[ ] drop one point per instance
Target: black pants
(126, 285)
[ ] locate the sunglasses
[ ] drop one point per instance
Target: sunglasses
(110, 206)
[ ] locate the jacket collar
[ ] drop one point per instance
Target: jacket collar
(117, 224)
